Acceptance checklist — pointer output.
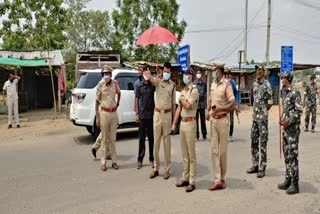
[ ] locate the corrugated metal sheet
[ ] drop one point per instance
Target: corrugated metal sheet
(55, 56)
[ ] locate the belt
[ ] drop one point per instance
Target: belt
(165, 111)
(109, 109)
(217, 117)
(187, 119)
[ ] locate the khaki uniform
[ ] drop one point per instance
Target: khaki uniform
(221, 94)
(188, 133)
(97, 144)
(108, 120)
(162, 121)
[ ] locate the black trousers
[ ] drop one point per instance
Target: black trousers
(146, 128)
(202, 114)
(231, 123)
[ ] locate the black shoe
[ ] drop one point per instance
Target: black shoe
(294, 187)
(253, 169)
(18, 126)
(285, 185)
(312, 129)
(94, 152)
(204, 137)
(306, 129)
(9, 126)
(261, 174)
(197, 138)
(139, 165)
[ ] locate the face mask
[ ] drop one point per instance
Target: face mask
(145, 78)
(214, 75)
(199, 76)
(185, 79)
(166, 76)
(107, 78)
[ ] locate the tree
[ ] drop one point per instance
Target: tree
(32, 24)
(86, 30)
(132, 17)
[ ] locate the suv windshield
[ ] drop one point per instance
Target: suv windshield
(89, 80)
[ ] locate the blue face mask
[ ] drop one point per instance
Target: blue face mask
(166, 76)
(185, 79)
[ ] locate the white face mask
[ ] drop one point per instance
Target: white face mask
(107, 78)
(199, 76)
(214, 75)
(146, 78)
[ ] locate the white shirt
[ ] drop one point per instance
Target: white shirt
(11, 89)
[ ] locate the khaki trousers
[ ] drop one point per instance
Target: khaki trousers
(219, 145)
(109, 125)
(188, 148)
(162, 127)
(13, 106)
(97, 144)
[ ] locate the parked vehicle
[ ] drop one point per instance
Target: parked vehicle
(82, 108)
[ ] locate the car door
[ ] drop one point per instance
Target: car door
(126, 111)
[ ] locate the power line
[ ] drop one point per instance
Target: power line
(223, 29)
(237, 45)
(307, 4)
(297, 32)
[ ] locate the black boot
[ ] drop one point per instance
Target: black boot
(261, 173)
(312, 129)
(294, 187)
(253, 169)
(306, 128)
(286, 184)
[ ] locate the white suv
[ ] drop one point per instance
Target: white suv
(82, 108)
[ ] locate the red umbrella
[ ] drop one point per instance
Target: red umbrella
(156, 35)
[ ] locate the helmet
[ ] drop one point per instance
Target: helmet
(287, 75)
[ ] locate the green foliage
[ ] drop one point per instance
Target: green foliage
(133, 17)
(33, 24)
(304, 84)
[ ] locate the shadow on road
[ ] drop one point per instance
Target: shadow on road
(235, 183)
(274, 173)
(306, 187)
(177, 168)
(121, 136)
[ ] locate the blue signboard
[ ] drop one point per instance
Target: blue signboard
(183, 57)
(286, 59)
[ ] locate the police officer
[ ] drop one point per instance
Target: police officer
(221, 102)
(259, 132)
(10, 95)
(202, 89)
(310, 101)
(165, 106)
(291, 114)
(187, 109)
(107, 118)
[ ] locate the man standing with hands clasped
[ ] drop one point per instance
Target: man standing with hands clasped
(202, 105)
(221, 102)
(262, 103)
(291, 114)
(188, 104)
(165, 107)
(107, 118)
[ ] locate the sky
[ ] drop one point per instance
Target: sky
(292, 24)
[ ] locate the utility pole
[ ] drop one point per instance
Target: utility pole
(268, 33)
(246, 33)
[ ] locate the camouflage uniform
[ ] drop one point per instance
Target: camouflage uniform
(311, 104)
(291, 111)
(259, 132)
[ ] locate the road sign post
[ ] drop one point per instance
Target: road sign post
(184, 57)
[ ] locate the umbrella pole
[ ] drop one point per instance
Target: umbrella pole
(157, 54)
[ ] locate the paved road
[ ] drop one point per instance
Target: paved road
(54, 172)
